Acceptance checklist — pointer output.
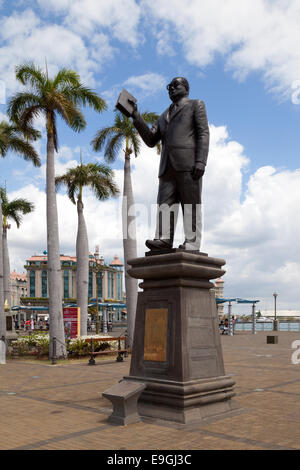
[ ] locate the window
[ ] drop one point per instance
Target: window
(73, 283)
(90, 284)
(44, 283)
(32, 283)
(66, 285)
(112, 285)
(119, 286)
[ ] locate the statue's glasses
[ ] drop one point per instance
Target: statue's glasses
(173, 85)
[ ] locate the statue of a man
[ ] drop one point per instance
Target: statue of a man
(184, 135)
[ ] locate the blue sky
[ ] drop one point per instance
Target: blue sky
(241, 58)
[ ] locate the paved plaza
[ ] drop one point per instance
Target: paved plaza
(61, 407)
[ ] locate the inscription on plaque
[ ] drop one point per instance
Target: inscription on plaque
(155, 345)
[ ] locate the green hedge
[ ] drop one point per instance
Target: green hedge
(38, 344)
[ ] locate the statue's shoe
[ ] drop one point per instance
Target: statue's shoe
(158, 244)
(189, 246)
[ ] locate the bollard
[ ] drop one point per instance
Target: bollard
(54, 351)
(2, 350)
(126, 344)
(120, 356)
(272, 339)
(92, 361)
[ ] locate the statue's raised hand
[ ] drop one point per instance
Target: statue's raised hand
(134, 106)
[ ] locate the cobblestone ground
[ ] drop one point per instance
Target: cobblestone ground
(61, 407)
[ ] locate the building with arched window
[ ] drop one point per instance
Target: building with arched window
(18, 287)
(105, 279)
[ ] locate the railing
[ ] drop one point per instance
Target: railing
(91, 326)
(267, 326)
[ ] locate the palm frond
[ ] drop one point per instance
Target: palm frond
(64, 95)
(26, 120)
(11, 138)
(20, 205)
(16, 208)
(96, 175)
(149, 117)
(66, 77)
(113, 147)
(31, 74)
(19, 102)
(102, 135)
(83, 96)
(24, 148)
(136, 144)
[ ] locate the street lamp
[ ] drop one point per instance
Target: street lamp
(99, 272)
(275, 326)
(105, 329)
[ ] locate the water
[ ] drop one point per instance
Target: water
(267, 326)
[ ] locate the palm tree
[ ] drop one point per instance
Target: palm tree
(11, 210)
(113, 138)
(99, 178)
(61, 96)
(12, 139)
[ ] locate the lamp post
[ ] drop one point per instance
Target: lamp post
(275, 325)
(101, 274)
(105, 320)
(253, 319)
(230, 329)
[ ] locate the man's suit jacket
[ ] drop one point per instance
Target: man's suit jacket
(184, 135)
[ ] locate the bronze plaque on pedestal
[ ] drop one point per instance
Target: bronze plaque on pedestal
(155, 345)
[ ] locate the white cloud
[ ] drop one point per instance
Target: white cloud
(65, 153)
(87, 16)
(164, 42)
(26, 38)
(252, 35)
(148, 83)
(141, 86)
(3, 117)
(63, 161)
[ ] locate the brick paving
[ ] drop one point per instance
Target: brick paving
(61, 407)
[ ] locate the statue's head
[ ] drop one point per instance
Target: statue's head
(178, 88)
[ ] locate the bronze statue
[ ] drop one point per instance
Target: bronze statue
(184, 135)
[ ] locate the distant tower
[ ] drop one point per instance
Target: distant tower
(96, 254)
(118, 266)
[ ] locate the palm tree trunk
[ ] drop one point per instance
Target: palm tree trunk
(129, 245)
(6, 267)
(2, 313)
(54, 269)
(82, 278)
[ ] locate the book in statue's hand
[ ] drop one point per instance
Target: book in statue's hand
(124, 105)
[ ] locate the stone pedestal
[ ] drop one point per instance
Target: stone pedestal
(176, 350)
(124, 396)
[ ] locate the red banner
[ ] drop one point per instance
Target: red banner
(71, 317)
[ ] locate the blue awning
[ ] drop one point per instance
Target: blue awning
(237, 299)
(28, 307)
(41, 308)
(222, 301)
